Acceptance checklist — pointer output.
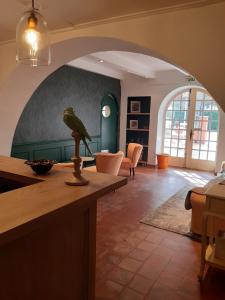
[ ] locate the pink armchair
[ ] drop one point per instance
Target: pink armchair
(107, 163)
(133, 155)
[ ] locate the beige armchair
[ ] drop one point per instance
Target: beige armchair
(107, 163)
(198, 203)
(133, 155)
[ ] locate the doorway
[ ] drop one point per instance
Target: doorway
(191, 130)
(109, 123)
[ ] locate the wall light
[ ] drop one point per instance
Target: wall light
(32, 41)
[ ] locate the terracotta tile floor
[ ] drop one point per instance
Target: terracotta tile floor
(137, 261)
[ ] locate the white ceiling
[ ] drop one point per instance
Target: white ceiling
(71, 13)
(118, 64)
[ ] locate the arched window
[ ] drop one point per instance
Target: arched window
(191, 125)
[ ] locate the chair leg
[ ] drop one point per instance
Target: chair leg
(133, 172)
(130, 171)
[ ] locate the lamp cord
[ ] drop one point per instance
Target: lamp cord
(33, 4)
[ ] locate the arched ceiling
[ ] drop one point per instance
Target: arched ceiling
(120, 64)
(73, 13)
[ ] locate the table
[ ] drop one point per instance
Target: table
(215, 207)
(86, 159)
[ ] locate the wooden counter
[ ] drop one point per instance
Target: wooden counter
(48, 233)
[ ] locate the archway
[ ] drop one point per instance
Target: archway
(62, 52)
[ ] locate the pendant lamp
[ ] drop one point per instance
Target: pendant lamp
(32, 41)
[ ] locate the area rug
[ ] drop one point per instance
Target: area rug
(172, 215)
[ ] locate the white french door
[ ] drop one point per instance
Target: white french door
(191, 130)
(175, 135)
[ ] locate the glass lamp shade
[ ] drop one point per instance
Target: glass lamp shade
(33, 47)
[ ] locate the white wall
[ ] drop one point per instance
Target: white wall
(158, 89)
(221, 142)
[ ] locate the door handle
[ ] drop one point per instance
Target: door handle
(191, 134)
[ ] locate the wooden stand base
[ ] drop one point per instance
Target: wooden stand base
(78, 179)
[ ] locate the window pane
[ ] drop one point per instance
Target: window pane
(176, 116)
(197, 135)
(169, 115)
(183, 134)
(166, 150)
(215, 115)
(173, 152)
(214, 126)
(213, 136)
(178, 97)
(199, 105)
(212, 146)
(197, 125)
(214, 106)
(199, 95)
(195, 154)
(167, 133)
(183, 118)
(185, 95)
(184, 105)
(196, 145)
(170, 107)
(208, 97)
(207, 105)
(198, 115)
(181, 152)
(176, 125)
(168, 124)
(176, 105)
(183, 125)
(203, 155)
(204, 145)
(185, 115)
(204, 136)
(174, 143)
(212, 156)
(182, 144)
(204, 122)
(175, 133)
(167, 143)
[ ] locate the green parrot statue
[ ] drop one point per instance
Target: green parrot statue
(74, 123)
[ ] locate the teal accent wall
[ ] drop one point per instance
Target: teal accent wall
(41, 122)
(61, 150)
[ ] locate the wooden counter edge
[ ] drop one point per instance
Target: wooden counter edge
(34, 224)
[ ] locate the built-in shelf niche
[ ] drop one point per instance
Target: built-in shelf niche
(138, 122)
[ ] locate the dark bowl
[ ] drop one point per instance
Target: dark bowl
(41, 166)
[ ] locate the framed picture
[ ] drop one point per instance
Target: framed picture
(135, 106)
(133, 124)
